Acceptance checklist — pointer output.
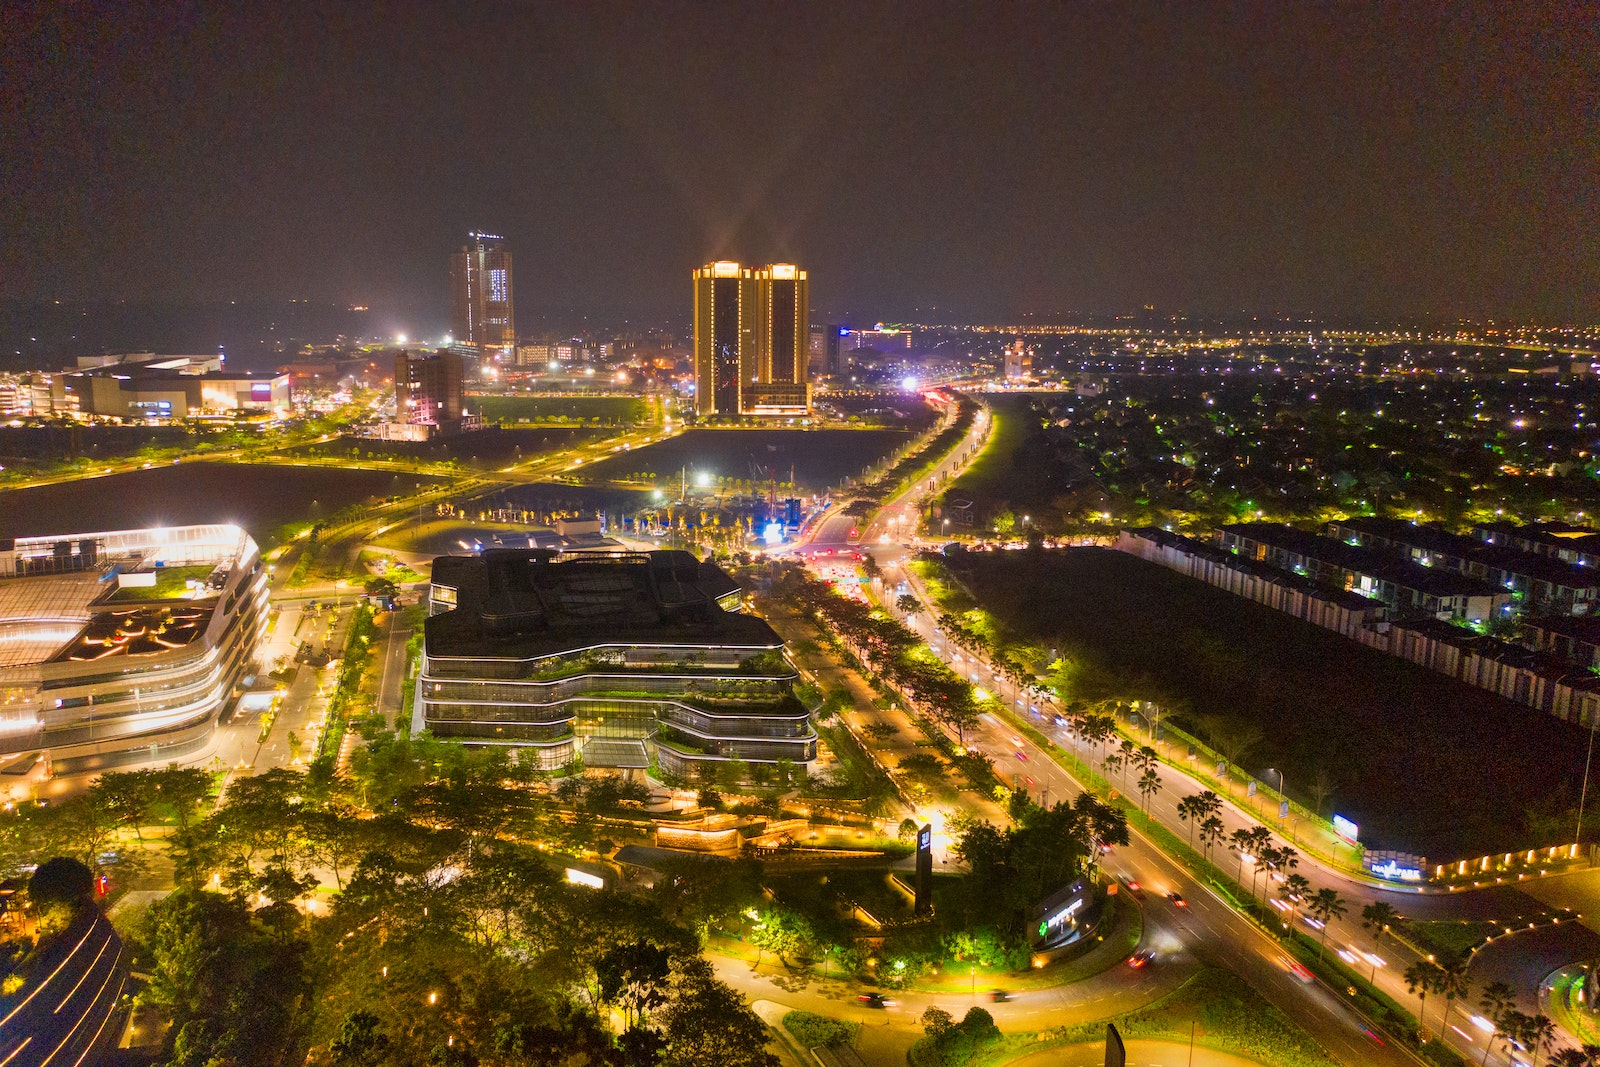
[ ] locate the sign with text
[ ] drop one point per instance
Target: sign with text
(1344, 827)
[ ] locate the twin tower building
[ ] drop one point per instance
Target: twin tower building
(751, 340)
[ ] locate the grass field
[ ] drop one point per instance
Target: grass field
(258, 496)
(996, 474)
(1420, 762)
(610, 410)
(819, 458)
(488, 449)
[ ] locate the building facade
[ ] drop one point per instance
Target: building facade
(106, 657)
(480, 290)
(626, 660)
(751, 340)
(427, 390)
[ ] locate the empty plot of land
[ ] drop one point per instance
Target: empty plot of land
(1420, 761)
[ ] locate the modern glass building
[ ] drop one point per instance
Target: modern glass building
(480, 291)
(626, 660)
(123, 646)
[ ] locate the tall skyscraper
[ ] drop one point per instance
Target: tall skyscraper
(751, 340)
(480, 284)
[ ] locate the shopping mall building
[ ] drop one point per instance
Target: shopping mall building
(124, 646)
(627, 659)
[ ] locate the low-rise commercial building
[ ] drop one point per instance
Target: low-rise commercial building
(124, 646)
(626, 660)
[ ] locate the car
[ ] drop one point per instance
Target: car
(1021, 755)
(874, 1000)
(1177, 900)
(999, 996)
(1135, 888)
(1300, 971)
(1142, 957)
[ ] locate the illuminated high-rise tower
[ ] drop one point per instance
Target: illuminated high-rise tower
(751, 339)
(480, 285)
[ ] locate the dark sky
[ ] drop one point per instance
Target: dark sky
(988, 159)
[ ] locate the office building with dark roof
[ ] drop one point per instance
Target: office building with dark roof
(625, 660)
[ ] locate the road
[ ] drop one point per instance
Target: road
(1214, 928)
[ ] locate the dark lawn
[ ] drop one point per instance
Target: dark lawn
(820, 458)
(260, 497)
(1421, 762)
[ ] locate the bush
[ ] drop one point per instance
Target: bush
(813, 1031)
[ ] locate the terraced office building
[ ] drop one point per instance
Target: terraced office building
(624, 659)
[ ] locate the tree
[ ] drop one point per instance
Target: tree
(129, 796)
(1451, 983)
(1378, 917)
(1212, 832)
(360, 1043)
(907, 604)
(1327, 905)
(704, 1023)
(183, 788)
(1191, 811)
(1539, 1034)
(1149, 786)
(1419, 982)
(1296, 887)
(784, 932)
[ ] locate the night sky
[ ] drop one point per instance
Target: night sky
(928, 161)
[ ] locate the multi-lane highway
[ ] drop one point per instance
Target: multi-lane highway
(1209, 927)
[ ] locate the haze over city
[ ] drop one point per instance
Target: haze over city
(932, 163)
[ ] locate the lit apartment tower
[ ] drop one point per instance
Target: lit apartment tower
(427, 390)
(480, 285)
(724, 336)
(751, 338)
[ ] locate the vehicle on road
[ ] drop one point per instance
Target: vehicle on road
(1300, 971)
(1135, 888)
(999, 996)
(1142, 957)
(874, 1000)
(1177, 900)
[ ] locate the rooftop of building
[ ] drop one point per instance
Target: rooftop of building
(528, 603)
(1368, 561)
(1435, 539)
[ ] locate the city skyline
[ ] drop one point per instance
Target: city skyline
(1379, 162)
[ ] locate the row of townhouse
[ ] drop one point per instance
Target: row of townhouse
(1410, 590)
(1511, 671)
(1577, 545)
(1544, 584)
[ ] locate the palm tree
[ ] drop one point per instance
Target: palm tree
(1327, 905)
(1296, 887)
(1495, 1000)
(1212, 832)
(1539, 1035)
(1242, 841)
(1148, 758)
(1419, 981)
(1451, 983)
(1189, 812)
(1378, 917)
(1149, 786)
(1128, 751)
